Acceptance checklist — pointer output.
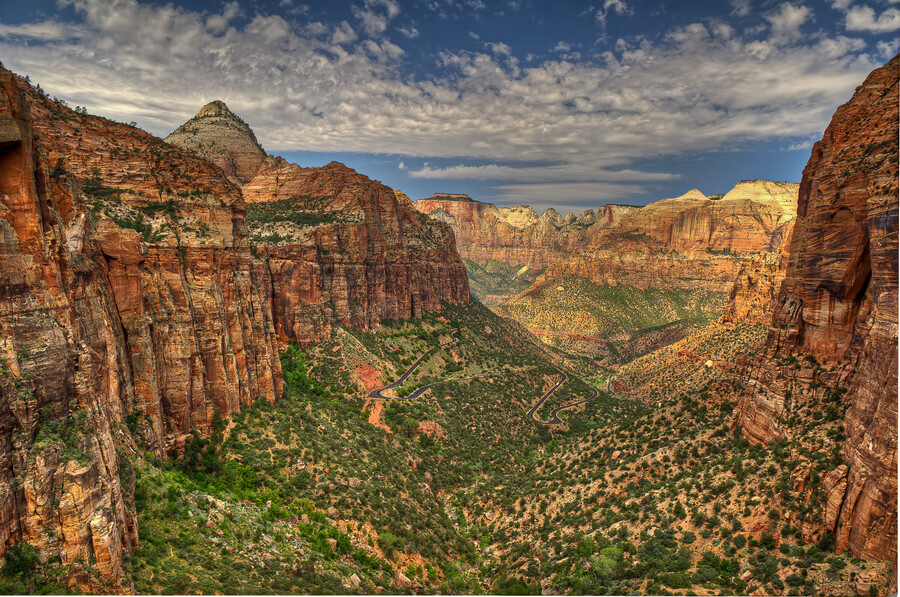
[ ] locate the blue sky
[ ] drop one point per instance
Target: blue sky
(558, 104)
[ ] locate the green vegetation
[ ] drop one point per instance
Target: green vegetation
(459, 492)
(492, 281)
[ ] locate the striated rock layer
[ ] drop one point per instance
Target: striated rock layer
(688, 242)
(341, 248)
(516, 235)
(838, 306)
(336, 246)
(216, 134)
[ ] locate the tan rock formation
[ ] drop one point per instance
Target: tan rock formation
(217, 135)
(517, 235)
(838, 304)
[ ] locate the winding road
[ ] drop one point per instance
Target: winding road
(377, 393)
(554, 419)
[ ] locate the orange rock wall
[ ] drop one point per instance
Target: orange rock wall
(482, 232)
(838, 303)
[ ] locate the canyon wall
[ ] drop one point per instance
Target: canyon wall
(837, 308)
(334, 245)
(134, 310)
(688, 242)
(516, 235)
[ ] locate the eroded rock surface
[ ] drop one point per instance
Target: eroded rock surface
(838, 308)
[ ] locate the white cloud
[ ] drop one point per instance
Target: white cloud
(569, 121)
(887, 50)
(786, 22)
(740, 8)
(410, 32)
(862, 18)
(617, 6)
(343, 34)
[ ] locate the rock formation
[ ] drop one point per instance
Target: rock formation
(338, 247)
(837, 308)
(691, 248)
(133, 310)
(516, 235)
(690, 241)
(217, 135)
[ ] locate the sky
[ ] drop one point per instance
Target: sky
(561, 103)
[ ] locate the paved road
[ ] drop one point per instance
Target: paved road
(554, 419)
(377, 393)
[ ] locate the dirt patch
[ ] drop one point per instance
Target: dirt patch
(377, 407)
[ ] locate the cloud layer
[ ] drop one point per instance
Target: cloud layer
(315, 86)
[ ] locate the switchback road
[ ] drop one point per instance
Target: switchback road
(554, 419)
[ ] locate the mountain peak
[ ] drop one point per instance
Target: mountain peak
(215, 108)
(220, 136)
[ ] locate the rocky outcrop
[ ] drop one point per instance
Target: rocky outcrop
(688, 242)
(217, 135)
(336, 246)
(64, 369)
(838, 306)
(517, 235)
(756, 286)
(171, 233)
(341, 248)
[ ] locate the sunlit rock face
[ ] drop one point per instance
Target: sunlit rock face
(838, 304)
(517, 235)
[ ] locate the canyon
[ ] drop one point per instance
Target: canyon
(191, 331)
(674, 260)
(837, 308)
(135, 311)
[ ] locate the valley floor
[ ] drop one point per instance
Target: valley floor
(333, 489)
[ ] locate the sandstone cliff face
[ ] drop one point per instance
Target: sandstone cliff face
(64, 370)
(516, 235)
(217, 135)
(838, 304)
(341, 248)
(752, 298)
(171, 232)
(690, 241)
(337, 247)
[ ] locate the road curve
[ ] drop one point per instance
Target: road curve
(554, 419)
(377, 393)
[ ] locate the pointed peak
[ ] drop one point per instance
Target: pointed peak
(214, 108)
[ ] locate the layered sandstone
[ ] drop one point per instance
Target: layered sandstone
(517, 235)
(691, 241)
(337, 247)
(64, 368)
(341, 248)
(838, 307)
(219, 136)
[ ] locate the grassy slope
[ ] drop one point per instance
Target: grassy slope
(466, 495)
(614, 323)
(493, 281)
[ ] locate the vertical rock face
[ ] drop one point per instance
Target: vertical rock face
(64, 369)
(516, 235)
(341, 248)
(688, 242)
(170, 230)
(338, 247)
(838, 303)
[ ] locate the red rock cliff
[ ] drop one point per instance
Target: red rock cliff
(516, 235)
(336, 247)
(341, 248)
(688, 242)
(838, 304)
